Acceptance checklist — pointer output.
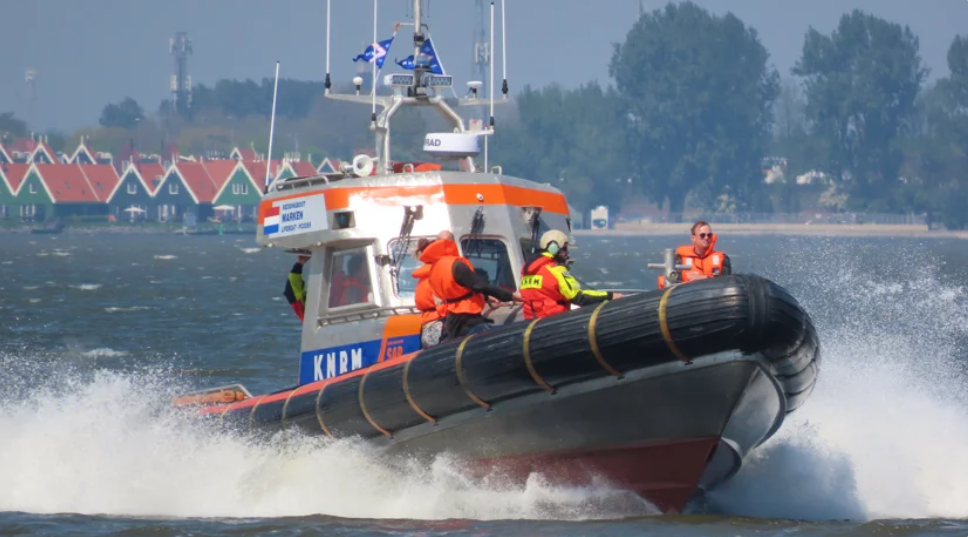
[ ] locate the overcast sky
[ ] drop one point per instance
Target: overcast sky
(88, 53)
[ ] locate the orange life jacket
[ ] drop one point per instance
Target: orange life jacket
(442, 255)
(710, 265)
(540, 289)
(424, 296)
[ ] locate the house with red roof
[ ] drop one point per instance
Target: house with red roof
(188, 188)
(35, 200)
(243, 191)
(72, 189)
(11, 177)
(133, 196)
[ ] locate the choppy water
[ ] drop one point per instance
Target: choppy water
(96, 333)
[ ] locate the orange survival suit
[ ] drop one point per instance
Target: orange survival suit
(547, 288)
(453, 281)
(424, 296)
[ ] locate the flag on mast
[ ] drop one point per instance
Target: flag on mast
(375, 52)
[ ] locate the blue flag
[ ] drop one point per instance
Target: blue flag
(376, 51)
(428, 58)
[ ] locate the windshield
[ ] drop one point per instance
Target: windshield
(491, 261)
(402, 252)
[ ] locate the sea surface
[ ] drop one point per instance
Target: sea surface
(98, 332)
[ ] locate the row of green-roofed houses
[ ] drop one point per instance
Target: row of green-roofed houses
(37, 184)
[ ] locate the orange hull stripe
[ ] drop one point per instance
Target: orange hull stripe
(311, 387)
(340, 198)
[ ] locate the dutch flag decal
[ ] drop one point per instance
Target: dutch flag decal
(271, 223)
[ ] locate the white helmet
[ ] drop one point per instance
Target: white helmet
(553, 241)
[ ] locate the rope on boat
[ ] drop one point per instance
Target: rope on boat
(664, 326)
(363, 406)
(406, 392)
(527, 359)
(462, 380)
(593, 340)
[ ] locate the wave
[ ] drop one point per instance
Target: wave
(109, 444)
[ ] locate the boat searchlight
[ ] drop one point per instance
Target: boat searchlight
(452, 145)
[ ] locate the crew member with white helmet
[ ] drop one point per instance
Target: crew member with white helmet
(546, 286)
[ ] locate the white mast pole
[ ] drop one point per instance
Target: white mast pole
(491, 90)
(373, 81)
(504, 53)
(328, 82)
(417, 42)
(272, 127)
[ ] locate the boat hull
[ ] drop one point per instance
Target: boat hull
(663, 394)
(654, 435)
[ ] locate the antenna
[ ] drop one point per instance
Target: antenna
(418, 41)
(482, 54)
(490, 91)
(504, 54)
(373, 79)
(272, 128)
(30, 81)
(329, 84)
(180, 47)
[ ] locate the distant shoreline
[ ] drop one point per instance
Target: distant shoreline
(812, 230)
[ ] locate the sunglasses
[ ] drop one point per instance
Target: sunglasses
(705, 235)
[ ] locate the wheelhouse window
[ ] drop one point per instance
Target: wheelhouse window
(529, 246)
(491, 261)
(402, 255)
(349, 279)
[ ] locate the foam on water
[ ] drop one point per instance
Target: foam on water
(87, 286)
(107, 444)
(104, 352)
(883, 433)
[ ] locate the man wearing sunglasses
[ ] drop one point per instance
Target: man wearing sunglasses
(701, 258)
(546, 286)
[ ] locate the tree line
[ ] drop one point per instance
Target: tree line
(692, 116)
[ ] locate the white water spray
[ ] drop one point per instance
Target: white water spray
(105, 445)
(883, 433)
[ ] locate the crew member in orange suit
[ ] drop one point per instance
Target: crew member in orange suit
(546, 285)
(463, 292)
(701, 258)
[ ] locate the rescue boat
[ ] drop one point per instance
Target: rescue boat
(663, 393)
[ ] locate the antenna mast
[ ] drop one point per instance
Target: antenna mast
(180, 47)
(482, 50)
(418, 42)
(272, 129)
